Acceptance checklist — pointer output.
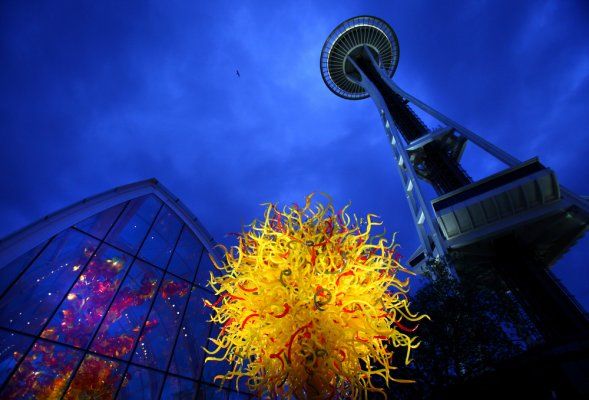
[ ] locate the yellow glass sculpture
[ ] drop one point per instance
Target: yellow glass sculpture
(311, 306)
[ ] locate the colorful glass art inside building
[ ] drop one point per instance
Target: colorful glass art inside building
(111, 307)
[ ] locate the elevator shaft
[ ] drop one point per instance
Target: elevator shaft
(442, 171)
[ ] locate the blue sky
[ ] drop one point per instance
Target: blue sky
(99, 94)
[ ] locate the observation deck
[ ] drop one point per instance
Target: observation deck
(348, 39)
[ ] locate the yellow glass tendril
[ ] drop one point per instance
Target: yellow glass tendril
(311, 305)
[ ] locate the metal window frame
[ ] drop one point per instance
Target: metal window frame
(19, 242)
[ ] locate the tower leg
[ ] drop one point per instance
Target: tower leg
(501, 155)
(555, 313)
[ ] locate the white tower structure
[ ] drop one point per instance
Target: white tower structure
(518, 221)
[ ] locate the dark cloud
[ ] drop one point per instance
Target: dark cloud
(98, 95)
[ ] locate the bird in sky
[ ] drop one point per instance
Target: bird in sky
(237, 72)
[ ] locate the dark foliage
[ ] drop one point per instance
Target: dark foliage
(475, 324)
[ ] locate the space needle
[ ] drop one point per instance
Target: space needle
(515, 223)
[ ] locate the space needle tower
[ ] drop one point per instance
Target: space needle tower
(515, 223)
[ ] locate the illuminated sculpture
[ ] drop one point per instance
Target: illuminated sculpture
(310, 305)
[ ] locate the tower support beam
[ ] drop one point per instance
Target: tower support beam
(489, 147)
(580, 201)
(420, 211)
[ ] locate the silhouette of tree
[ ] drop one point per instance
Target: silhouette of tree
(475, 324)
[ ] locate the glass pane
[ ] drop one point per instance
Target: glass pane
(188, 355)
(186, 255)
(10, 271)
(34, 297)
(157, 340)
(206, 266)
(97, 378)
(87, 302)
(141, 383)
(179, 389)
(43, 374)
(12, 348)
(99, 224)
(160, 242)
(125, 317)
(131, 227)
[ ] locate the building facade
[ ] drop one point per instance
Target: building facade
(104, 299)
